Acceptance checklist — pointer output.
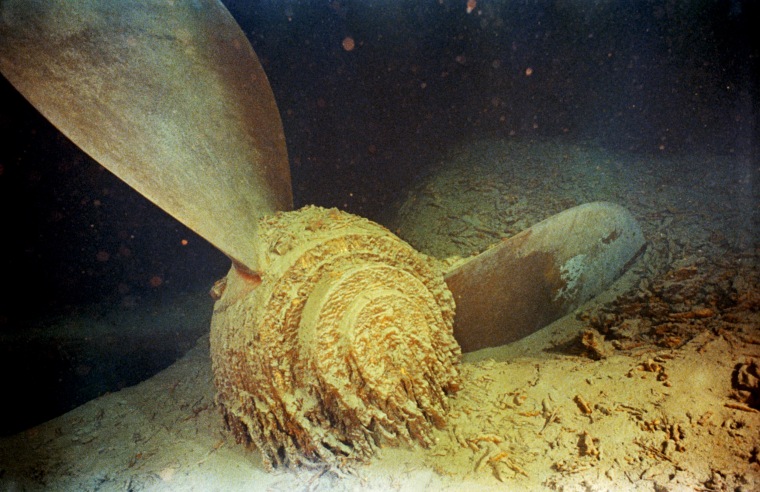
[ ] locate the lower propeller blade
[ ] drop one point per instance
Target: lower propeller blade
(539, 275)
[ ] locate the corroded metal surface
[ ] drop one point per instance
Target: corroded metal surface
(537, 276)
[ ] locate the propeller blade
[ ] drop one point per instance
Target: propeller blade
(541, 274)
(169, 96)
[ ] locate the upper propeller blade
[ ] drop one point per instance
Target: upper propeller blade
(168, 95)
(541, 274)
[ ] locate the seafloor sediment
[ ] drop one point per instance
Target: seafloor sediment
(653, 385)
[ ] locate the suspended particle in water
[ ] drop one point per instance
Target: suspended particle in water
(348, 43)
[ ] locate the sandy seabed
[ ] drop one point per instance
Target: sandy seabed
(652, 386)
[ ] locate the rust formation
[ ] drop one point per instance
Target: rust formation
(346, 343)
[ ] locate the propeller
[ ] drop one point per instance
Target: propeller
(330, 335)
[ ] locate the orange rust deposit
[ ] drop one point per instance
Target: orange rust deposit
(697, 313)
(247, 274)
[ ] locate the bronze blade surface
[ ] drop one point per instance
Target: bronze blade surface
(167, 95)
(539, 275)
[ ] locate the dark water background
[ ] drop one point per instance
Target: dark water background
(647, 77)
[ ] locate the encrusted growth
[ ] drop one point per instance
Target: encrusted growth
(346, 343)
